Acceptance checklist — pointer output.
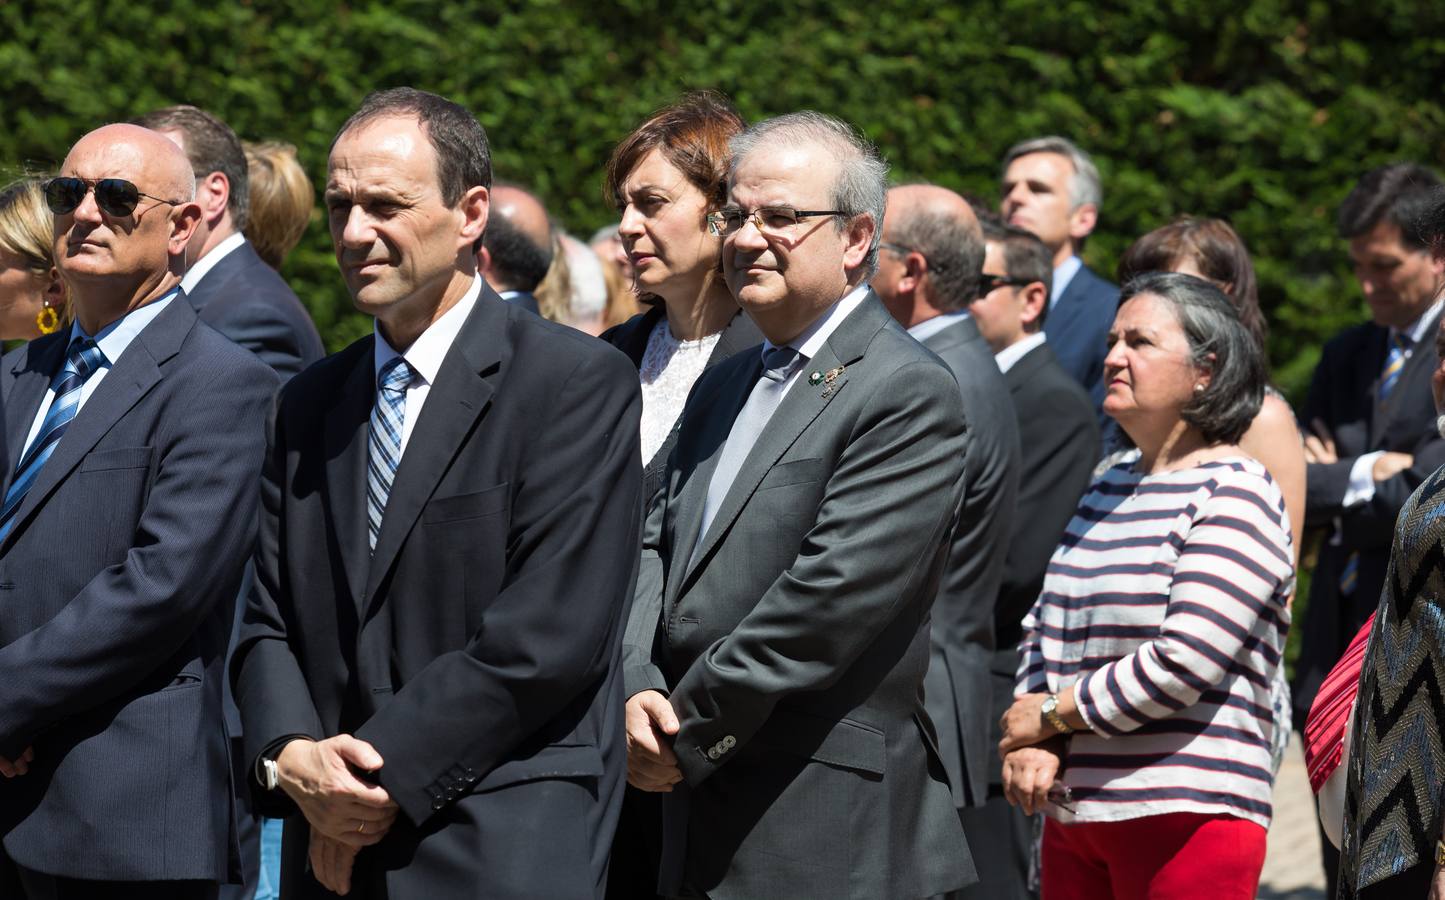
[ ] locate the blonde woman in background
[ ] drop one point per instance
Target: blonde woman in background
(281, 200)
(33, 299)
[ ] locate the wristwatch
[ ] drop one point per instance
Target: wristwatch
(1440, 853)
(1050, 712)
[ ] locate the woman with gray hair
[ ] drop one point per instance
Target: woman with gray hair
(1147, 663)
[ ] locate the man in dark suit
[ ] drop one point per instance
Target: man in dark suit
(1052, 189)
(428, 671)
(932, 251)
(1370, 418)
(803, 530)
(517, 249)
(231, 288)
(1059, 434)
(136, 438)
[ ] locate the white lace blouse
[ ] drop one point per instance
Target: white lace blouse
(669, 368)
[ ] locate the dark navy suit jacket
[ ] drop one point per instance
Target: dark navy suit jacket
(248, 302)
(117, 582)
(1078, 329)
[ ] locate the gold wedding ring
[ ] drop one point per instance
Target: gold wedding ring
(361, 827)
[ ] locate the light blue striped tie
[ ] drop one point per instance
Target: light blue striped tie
(1394, 365)
(82, 360)
(388, 416)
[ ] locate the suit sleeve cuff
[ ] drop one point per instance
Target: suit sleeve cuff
(1361, 488)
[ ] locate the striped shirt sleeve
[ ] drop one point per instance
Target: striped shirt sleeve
(1031, 678)
(1234, 560)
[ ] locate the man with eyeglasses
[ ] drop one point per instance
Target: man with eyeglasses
(927, 273)
(136, 439)
(1059, 441)
(802, 529)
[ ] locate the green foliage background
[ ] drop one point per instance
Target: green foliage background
(1262, 113)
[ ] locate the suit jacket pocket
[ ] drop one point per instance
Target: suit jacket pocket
(837, 742)
(552, 761)
(117, 458)
(797, 471)
(467, 506)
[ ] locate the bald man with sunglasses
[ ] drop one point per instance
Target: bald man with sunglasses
(129, 502)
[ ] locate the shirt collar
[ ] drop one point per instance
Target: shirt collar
(1063, 274)
(1008, 356)
(114, 338)
(208, 262)
(426, 353)
(929, 327)
(814, 336)
(1416, 331)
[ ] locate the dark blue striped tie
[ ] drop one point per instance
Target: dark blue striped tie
(82, 360)
(388, 416)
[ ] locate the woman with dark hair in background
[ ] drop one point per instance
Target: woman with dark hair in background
(1210, 249)
(1155, 642)
(664, 178)
(32, 296)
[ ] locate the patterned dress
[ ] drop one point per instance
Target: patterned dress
(1397, 760)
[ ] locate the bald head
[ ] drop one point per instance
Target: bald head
(114, 263)
(518, 240)
(939, 225)
(524, 211)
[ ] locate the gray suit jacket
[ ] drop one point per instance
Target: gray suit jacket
(957, 687)
(795, 644)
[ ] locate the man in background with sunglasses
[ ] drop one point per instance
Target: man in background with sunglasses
(129, 507)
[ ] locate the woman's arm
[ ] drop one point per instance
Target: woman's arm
(1274, 439)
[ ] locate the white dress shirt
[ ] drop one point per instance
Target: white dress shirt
(113, 340)
(1064, 273)
(814, 336)
(425, 356)
(208, 262)
(1008, 356)
(929, 327)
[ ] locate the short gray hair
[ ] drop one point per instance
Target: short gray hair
(1218, 342)
(1084, 185)
(862, 186)
(954, 252)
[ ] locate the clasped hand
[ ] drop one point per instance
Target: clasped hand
(19, 765)
(345, 813)
(651, 725)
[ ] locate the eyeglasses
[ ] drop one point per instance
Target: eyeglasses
(987, 283)
(770, 220)
(115, 196)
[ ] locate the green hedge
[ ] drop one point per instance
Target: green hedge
(1261, 113)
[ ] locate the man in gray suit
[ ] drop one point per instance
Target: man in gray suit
(928, 273)
(802, 531)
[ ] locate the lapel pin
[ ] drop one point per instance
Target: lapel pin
(815, 378)
(830, 381)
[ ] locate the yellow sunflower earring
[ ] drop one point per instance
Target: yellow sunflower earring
(47, 319)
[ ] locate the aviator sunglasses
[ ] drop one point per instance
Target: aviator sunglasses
(115, 196)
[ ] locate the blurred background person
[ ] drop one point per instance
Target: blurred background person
(587, 303)
(282, 199)
(554, 291)
(1052, 188)
(33, 298)
(1162, 619)
(607, 241)
(622, 302)
(1059, 444)
(665, 177)
(1393, 801)
(1210, 249)
(517, 246)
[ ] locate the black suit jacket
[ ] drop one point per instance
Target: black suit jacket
(631, 338)
(794, 642)
(248, 302)
(1344, 395)
(118, 581)
(957, 687)
(477, 647)
(1078, 329)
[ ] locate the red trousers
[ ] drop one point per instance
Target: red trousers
(1178, 856)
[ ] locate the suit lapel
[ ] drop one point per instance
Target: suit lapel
(802, 405)
(129, 379)
(346, 424)
(453, 406)
(30, 379)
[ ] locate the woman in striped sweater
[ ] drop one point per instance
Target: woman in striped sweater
(1142, 724)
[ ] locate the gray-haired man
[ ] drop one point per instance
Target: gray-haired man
(802, 531)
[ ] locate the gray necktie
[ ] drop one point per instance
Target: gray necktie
(779, 364)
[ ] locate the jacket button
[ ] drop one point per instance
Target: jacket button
(713, 753)
(729, 742)
(437, 804)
